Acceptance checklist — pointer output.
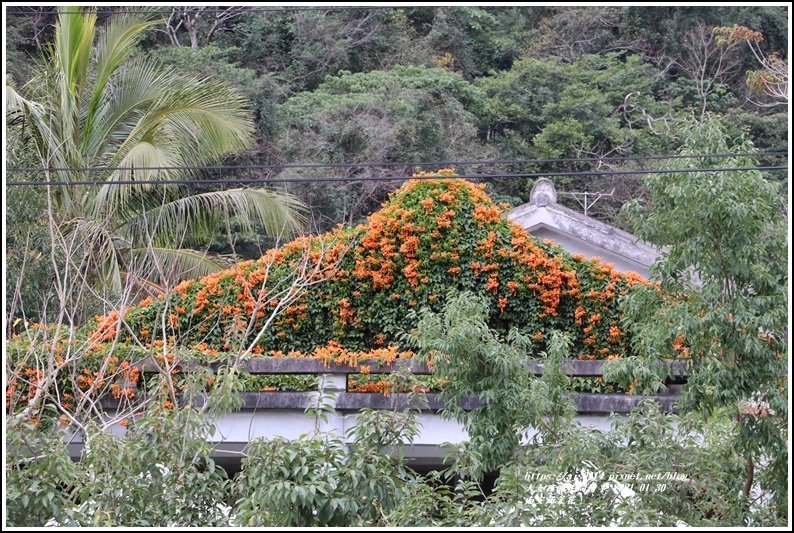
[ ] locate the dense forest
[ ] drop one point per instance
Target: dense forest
(402, 86)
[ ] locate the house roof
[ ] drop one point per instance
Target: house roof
(543, 217)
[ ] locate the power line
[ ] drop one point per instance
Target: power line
(439, 164)
(285, 9)
(266, 181)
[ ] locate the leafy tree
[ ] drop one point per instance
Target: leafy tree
(724, 295)
(322, 480)
(651, 469)
(159, 473)
(89, 105)
(658, 30)
(474, 362)
(596, 106)
(424, 110)
(301, 48)
(37, 469)
(585, 97)
(566, 33)
(769, 132)
(772, 80)
(473, 41)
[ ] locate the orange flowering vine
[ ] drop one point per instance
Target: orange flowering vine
(433, 234)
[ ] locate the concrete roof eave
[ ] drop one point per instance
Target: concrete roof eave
(543, 215)
(560, 219)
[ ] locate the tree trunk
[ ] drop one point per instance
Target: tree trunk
(748, 482)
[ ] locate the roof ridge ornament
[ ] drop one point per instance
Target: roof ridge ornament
(543, 193)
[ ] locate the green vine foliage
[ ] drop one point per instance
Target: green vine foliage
(362, 282)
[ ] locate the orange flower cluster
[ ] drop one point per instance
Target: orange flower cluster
(121, 392)
(203, 347)
(129, 373)
(335, 353)
(680, 347)
(346, 313)
(485, 215)
(548, 277)
(107, 327)
(88, 380)
(381, 387)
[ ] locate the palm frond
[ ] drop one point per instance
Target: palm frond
(33, 114)
(67, 77)
(211, 118)
(101, 259)
(162, 266)
(37, 124)
(113, 199)
(205, 119)
(135, 87)
(74, 39)
(16, 103)
(114, 46)
(34, 136)
(199, 215)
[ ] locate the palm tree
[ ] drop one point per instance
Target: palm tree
(92, 104)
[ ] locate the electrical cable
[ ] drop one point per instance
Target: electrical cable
(268, 181)
(439, 164)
